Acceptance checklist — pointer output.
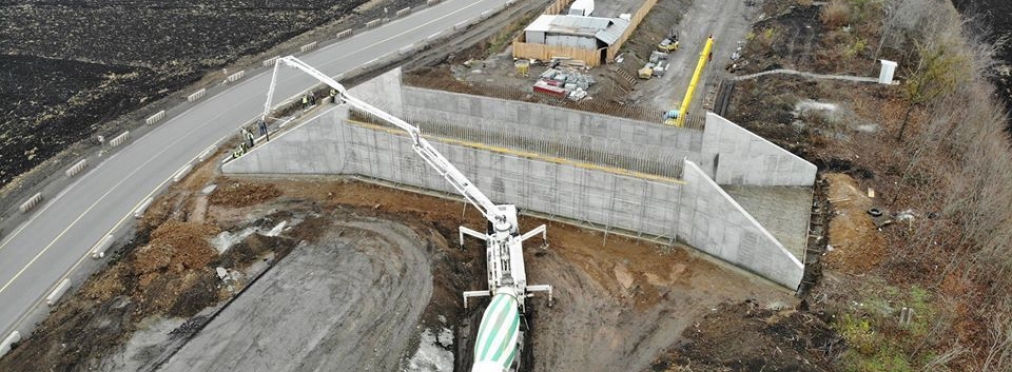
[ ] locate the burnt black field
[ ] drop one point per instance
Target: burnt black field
(68, 66)
(993, 18)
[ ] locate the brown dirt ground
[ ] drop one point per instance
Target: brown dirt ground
(166, 270)
(857, 246)
(760, 340)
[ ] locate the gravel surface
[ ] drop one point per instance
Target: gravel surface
(349, 302)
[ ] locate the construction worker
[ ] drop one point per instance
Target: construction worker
(249, 137)
(263, 130)
(305, 101)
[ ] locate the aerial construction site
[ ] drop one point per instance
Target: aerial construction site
(633, 185)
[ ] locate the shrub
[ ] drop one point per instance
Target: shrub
(835, 14)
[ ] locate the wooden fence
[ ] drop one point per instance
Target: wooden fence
(592, 57)
(633, 23)
(557, 7)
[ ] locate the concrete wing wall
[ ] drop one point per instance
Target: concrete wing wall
(314, 147)
(383, 91)
(743, 158)
(715, 223)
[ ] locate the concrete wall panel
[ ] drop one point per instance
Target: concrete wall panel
(698, 211)
(747, 159)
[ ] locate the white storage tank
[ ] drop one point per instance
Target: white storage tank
(885, 76)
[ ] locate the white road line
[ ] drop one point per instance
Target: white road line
(111, 189)
(118, 184)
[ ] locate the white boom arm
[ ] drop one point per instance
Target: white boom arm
(419, 144)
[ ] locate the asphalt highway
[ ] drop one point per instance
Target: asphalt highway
(58, 236)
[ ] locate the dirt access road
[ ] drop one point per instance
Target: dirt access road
(727, 21)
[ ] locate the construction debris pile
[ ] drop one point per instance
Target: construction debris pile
(564, 84)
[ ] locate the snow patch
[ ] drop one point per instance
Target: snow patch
(828, 111)
(432, 354)
(226, 239)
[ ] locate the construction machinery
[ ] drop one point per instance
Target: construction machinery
(668, 45)
(500, 335)
(677, 117)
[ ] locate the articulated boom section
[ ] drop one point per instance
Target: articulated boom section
(507, 277)
(419, 144)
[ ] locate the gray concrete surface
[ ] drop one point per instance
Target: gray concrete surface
(785, 211)
(725, 151)
(38, 254)
(696, 210)
(713, 222)
(579, 135)
(348, 303)
(744, 158)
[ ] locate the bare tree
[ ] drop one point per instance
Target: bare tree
(902, 20)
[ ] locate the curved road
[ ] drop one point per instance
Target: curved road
(58, 236)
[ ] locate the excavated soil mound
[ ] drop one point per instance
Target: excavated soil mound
(243, 194)
(856, 243)
(176, 247)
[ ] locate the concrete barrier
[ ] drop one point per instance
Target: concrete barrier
(5, 346)
(431, 2)
(461, 25)
(407, 50)
(76, 168)
(155, 118)
(204, 155)
(236, 76)
(181, 174)
(345, 34)
(403, 12)
(98, 250)
(434, 36)
(308, 47)
(139, 212)
(31, 203)
(373, 23)
(58, 292)
(120, 139)
(197, 95)
(487, 14)
(271, 61)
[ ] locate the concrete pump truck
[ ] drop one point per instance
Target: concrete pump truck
(500, 337)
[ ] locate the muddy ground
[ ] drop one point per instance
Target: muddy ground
(350, 259)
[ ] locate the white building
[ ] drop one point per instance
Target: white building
(575, 31)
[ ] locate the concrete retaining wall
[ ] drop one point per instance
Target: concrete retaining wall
(724, 151)
(744, 158)
(328, 144)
